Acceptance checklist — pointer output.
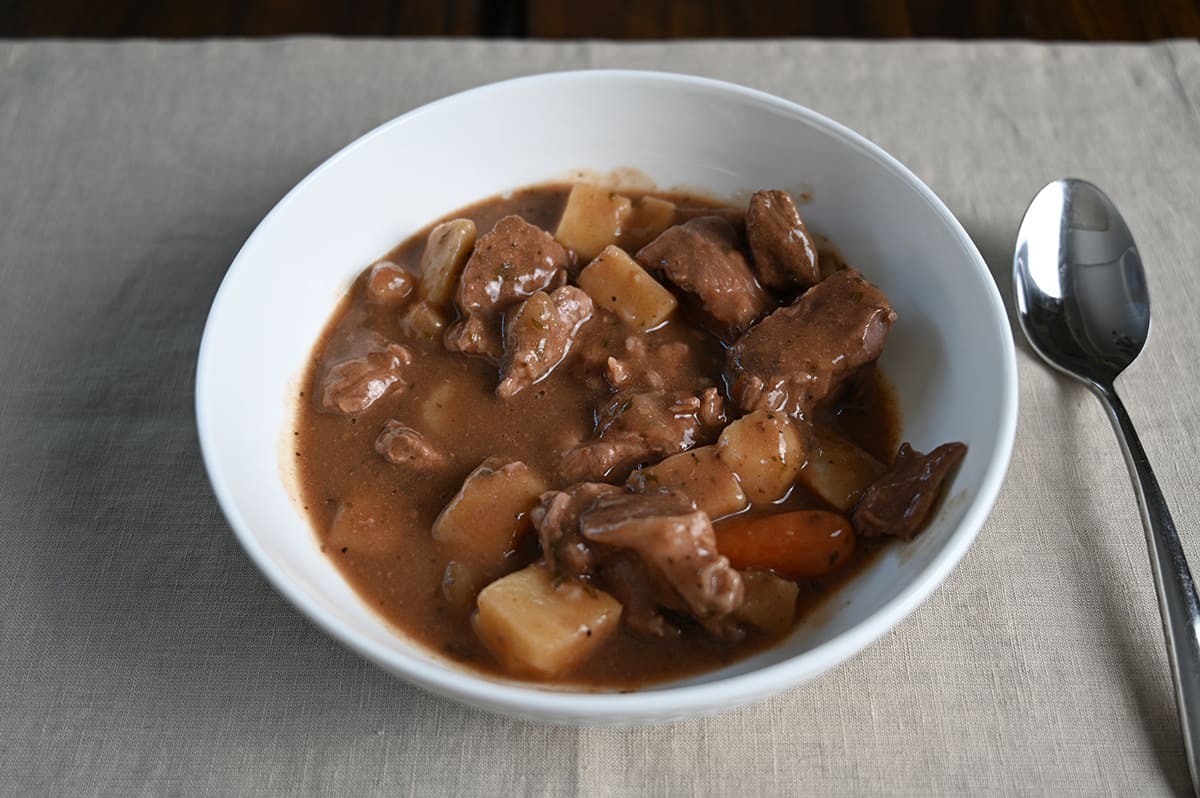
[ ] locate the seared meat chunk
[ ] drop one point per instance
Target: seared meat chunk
(785, 256)
(604, 459)
(637, 427)
(648, 364)
(799, 354)
(556, 519)
(642, 593)
(403, 445)
(369, 367)
(899, 503)
(735, 217)
(676, 543)
(515, 260)
(702, 258)
(538, 335)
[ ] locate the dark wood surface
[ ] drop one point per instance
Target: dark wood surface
(1083, 20)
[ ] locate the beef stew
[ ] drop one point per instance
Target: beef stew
(614, 439)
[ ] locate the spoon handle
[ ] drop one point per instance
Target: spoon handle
(1172, 578)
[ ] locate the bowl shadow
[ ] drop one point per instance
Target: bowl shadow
(997, 251)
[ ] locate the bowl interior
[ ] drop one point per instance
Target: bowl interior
(679, 132)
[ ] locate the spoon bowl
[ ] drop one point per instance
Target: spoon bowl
(1082, 302)
(1080, 288)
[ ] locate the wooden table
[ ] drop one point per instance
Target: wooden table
(1085, 20)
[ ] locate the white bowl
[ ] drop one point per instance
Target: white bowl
(950, 355)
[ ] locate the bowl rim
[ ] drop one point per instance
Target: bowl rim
(656, 702)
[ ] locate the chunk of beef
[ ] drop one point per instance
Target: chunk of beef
(735, 217)
(799, 354)
(369, 366)
(603, 459)
(785, 256)
(538, 335)
(556, 519)
(676, 543)
(639, 427)
(900, 502)
(403, 445)
(640, 591)
(702, 258)
(644, 363)
(515, 260)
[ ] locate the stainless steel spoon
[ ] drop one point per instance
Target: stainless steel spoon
(1082, 301)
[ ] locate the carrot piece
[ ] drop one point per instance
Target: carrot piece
(796, 545)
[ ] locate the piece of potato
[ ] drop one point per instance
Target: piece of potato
(648, 217)
(482, 522)
(770, 602)
(766, 452)
(591, 220)
(446, 252)
(617, 282)
(837, 470)
(535, 626)
(423, 320)
(700, 474)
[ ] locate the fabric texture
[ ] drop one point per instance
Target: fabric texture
(142, 654)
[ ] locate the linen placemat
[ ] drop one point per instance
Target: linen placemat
(142, 654)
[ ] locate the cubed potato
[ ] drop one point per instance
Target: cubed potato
(423, 320)
(617, 282)
(837, 469)
(766, 452)
(483, 521)
(535, 626)
(769, 604)
(591, 220)
(364, 528)
(700, 474)
(648, 217)
(446, 252)
(389, 282)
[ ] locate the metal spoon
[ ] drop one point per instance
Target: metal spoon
(1082, 301)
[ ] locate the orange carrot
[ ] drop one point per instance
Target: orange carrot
(796, 545)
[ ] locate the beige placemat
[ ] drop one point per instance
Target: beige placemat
(141, 653)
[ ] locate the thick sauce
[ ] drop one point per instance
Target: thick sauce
(451, 399)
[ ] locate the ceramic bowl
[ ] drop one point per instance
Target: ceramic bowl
(950, 355)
